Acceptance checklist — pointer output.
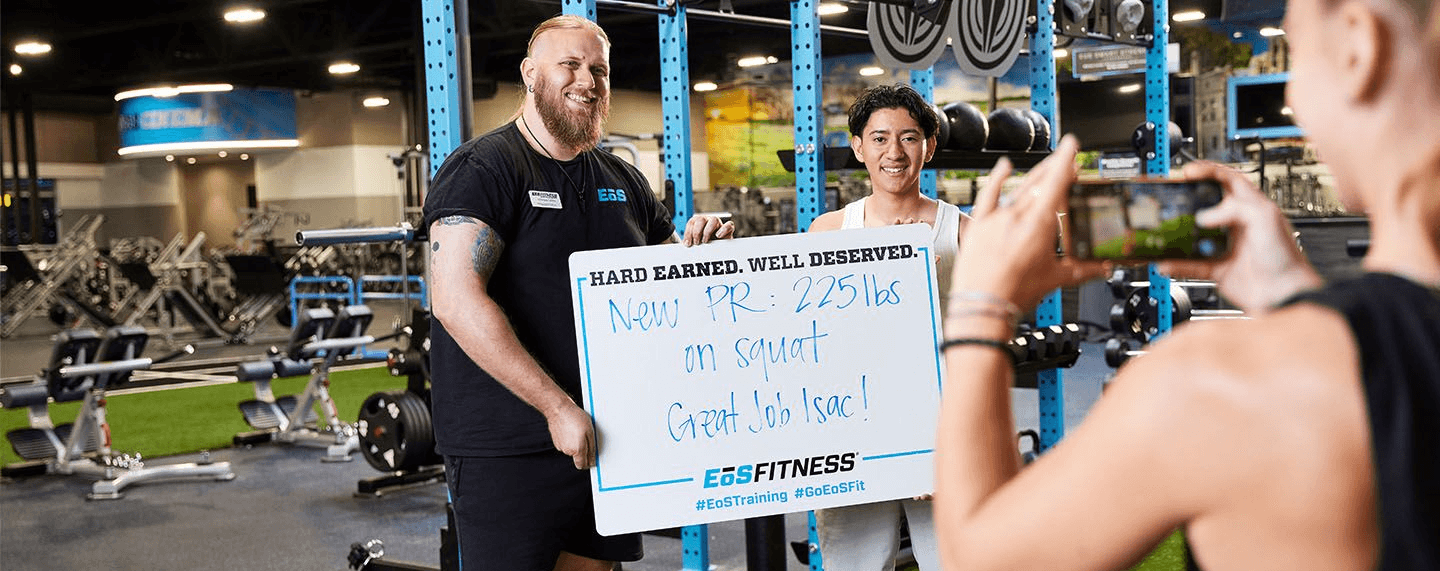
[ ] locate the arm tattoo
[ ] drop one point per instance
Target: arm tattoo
(456, 220)
(485, 253)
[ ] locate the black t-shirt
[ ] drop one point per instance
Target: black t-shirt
(544, 210)
(1396, 324)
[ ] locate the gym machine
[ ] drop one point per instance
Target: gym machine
(85, 365)
(318, 341)
(173, 280)
(66, 264)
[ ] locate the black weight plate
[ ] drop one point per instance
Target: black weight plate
(382, 431)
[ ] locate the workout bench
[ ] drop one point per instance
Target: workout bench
(319, 339)
(83, 366)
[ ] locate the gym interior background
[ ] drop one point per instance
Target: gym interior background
(170, 240)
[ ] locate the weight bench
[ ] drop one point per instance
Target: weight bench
(319, 339)
(83, 366)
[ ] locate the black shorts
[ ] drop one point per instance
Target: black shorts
(517, 513)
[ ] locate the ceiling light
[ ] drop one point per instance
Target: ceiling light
(15, 69)
(871, 71)
(706, 86)
(753, 61)
(32, 48)
(244, 15)
(190, 161)
(1237, 35)
(223, 154)
(1287, 111)
(1062, 52)
(1131, 88)
(1270, 32)
(1188, 16)
(244, 156)
(173, 90)
(831, 8)
(375, 102)
(169, 158)
(343, 68)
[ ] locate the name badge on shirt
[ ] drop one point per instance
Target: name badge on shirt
(542, 199)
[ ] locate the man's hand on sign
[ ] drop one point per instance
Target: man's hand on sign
(573, 434)
(704, 228)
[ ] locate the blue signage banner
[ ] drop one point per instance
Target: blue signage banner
(236, 115)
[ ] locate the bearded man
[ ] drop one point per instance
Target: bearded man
(505, 211)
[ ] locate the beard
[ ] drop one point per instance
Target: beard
(576, 129)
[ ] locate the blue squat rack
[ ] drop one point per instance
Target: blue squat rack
(442, 96)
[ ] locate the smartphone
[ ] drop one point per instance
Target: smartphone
(1144, 220)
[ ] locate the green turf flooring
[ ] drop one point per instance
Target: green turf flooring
(168, 422)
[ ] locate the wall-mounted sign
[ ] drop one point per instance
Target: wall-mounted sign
(1114, 60)
(239, 119)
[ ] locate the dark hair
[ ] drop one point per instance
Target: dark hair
(898, 96)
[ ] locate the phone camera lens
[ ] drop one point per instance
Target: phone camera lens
(1206, 247)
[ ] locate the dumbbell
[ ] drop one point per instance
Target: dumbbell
(1118, 351)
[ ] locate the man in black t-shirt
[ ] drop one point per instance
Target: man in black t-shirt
(505, 212)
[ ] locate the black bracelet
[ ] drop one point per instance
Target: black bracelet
(1003, 346)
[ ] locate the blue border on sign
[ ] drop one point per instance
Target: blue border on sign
(934, 327)
(590, 392)
(896, 454)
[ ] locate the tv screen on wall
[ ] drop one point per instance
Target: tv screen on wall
(1104, 113)
(1255, 108)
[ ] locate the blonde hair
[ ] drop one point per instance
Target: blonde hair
(565, 22)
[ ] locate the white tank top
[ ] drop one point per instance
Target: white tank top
(946, 238)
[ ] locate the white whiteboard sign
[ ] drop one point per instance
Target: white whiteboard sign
(758, 376)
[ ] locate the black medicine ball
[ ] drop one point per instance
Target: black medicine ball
(1042, 130)
(942, 129)
(1010, 130)
(968, 127)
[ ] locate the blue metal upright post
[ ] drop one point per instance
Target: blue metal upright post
(923, 80)
(675, 144)
(442, 88)
(809, 150)
(1051, 383)
(809, 122)
(1157, 111)
(583, 8)
(675, 105)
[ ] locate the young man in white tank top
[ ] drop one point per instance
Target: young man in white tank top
(892, 132)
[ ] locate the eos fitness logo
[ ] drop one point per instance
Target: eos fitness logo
(987, 34)
(779, 470)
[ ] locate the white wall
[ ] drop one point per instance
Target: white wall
(327, 172)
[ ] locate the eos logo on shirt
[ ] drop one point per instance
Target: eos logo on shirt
(612, 195)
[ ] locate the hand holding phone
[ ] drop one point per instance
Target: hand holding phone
(1145, 219)
(1265, 265)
